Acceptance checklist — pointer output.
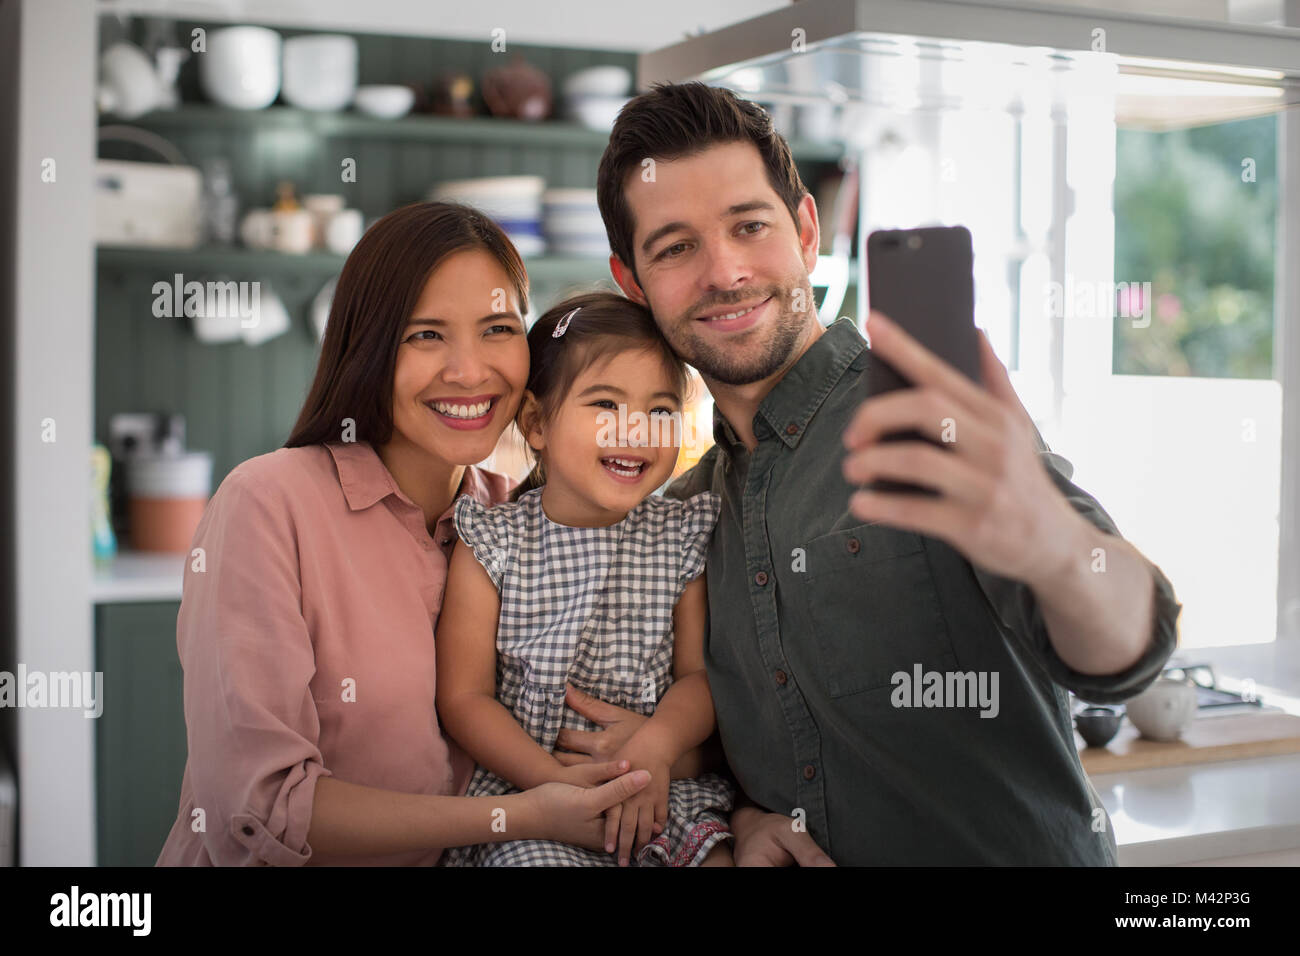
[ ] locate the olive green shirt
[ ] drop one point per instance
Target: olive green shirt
(816, 618)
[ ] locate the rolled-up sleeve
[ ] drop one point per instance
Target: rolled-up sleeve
(1020, 613)
(251, 721)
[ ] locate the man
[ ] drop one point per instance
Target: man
(889, 672)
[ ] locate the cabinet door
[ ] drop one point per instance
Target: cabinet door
(140, 737)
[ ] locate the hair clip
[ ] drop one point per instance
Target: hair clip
(563, 325)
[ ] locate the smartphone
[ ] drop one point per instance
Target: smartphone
(923, 280)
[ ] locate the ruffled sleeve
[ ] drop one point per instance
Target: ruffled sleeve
(699, 516)
(488, 532)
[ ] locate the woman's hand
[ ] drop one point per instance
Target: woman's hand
(568, 814)
(591, 774)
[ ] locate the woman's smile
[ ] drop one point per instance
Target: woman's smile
(473, 412)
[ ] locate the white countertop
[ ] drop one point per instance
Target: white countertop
(1230, 808)
(1175, 815)
(138, 576)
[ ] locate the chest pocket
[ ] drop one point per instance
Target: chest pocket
(874, 608)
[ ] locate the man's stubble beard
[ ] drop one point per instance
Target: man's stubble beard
(784, 332)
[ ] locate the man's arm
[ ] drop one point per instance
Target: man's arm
(1103, 621)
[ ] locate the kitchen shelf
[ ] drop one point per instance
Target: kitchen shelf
(209, 260)
(417, 128)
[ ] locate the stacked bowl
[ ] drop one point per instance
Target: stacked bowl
(513, 202)
(572, 225)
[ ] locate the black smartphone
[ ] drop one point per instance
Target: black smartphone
(923, 280)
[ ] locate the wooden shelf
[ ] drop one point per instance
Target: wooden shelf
(417, 128)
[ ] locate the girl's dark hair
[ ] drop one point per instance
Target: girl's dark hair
(607, 323)
(377, 290)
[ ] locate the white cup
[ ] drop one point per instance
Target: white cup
(343, 230)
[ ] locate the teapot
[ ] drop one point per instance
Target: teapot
(1164, 710)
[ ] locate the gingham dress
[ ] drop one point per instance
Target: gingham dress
(593, 607)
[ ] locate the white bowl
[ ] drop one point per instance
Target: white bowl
(241, 68)
(598, 81)
(320, 71)
(385, 102)
(595, 112)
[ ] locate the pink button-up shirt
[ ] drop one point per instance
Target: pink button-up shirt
(306, 637)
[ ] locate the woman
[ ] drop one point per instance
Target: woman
(306, 624)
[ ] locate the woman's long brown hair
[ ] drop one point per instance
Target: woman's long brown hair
(377, 291)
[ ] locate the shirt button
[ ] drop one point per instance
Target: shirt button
(760, 578)
(446, 540)
(854, 545)
(809, 771)
(792, 429)
(248, 831)
(781, 678)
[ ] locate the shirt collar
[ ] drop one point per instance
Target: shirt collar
(365, 479)
(793, 401)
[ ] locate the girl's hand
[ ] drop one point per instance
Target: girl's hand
(569, 814)
(619, 726)
(639, 819)
(591, 774)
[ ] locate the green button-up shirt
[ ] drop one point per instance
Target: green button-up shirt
(814, 615)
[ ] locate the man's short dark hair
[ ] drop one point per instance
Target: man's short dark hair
(675, 120)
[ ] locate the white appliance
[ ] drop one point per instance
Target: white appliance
(147, 204)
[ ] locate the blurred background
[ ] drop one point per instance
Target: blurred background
(1132, 197)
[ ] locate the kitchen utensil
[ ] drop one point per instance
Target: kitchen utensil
(605, 80)
(214, 325)
(518, 91)
(128, 85)
(1209, 739)
(514, 202)
(384, 101)
(284, 231)
(1164, 710)
(594, 112)
(270, 318)
(453, 95)
(1097, 725)
(241, 68)
(167, 497)
(147, 204)
(320, 71)
(220, 205)
(342, 230)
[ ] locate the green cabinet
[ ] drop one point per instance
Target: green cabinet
(140, 737)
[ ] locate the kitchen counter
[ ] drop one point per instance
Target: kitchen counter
(138, 576)
(1229, 812)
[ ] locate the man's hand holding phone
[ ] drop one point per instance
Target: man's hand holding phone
(997, 505)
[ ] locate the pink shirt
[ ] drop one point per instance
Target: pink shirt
(307, 645)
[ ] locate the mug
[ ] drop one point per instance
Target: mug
(342, 231)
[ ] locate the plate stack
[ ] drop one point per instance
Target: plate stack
(572, 224)
(513, 202)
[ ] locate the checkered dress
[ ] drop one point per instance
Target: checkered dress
(593, 607)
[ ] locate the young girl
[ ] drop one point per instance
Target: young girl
(586, 577)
